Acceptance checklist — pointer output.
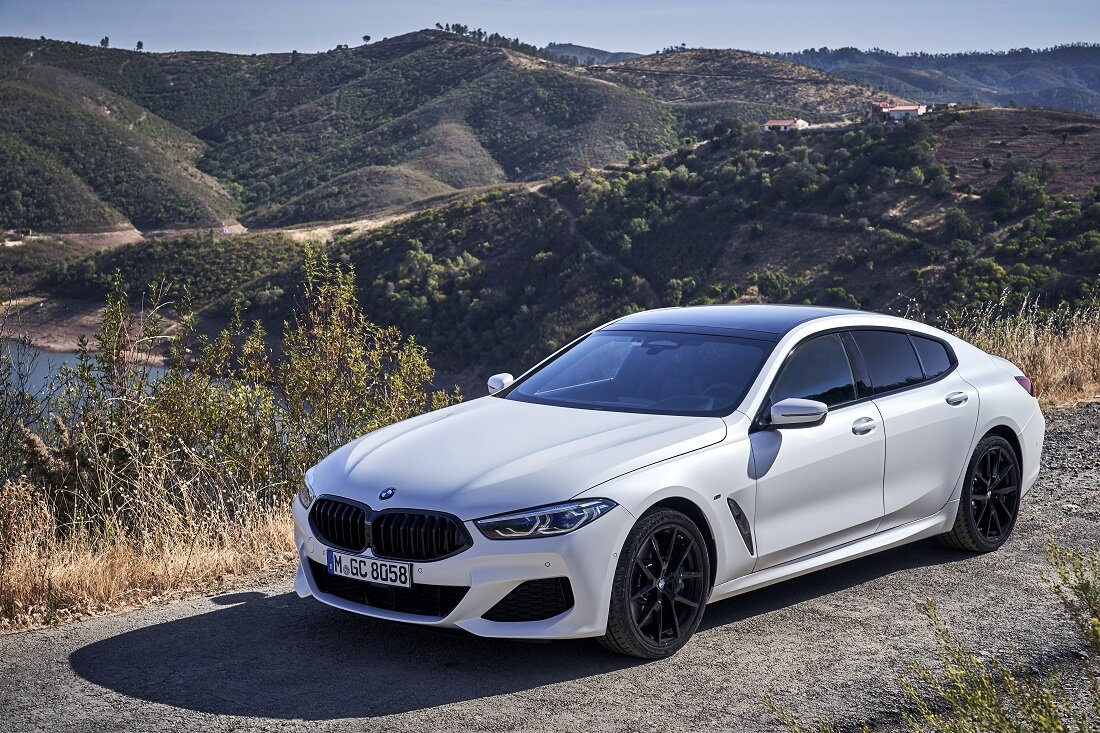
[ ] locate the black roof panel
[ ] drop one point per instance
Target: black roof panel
(748, 319)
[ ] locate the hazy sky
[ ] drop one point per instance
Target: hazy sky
(618, 25)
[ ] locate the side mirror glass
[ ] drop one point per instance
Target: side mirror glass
(797, 413)
(498, 382)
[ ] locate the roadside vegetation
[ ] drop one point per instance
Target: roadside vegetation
(118, 487)
(967, 692)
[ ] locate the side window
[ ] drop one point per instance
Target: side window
(890, 359)
(817, 370)
(933, 356)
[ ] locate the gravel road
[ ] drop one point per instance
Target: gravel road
(828, 645)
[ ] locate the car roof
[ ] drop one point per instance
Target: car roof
(752, 320)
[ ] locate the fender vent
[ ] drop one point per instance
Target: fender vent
(742, 523)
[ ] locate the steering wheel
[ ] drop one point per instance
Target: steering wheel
(722, 389)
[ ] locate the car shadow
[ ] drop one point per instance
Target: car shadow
(830, 580)
(283, 657)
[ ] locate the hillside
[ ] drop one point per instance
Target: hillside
(875, 217)
(99, 138)
(705, 86)
(299, 137)
(77, 156)
(1065, 77)
(586, 55)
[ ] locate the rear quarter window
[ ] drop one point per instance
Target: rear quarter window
(890, 359)
(933, 356)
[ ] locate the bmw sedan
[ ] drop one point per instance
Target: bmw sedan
(667, 460)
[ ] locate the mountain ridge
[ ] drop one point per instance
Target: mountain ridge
(276, 140)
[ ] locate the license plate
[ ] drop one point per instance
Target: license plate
(370, 570)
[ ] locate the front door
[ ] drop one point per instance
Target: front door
(818, 487)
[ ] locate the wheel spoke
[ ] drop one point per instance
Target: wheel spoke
(675, 621)
(666, 561)
(647, 611)
(644, 591)
(995, 516)
(654, 547)
(981, 515)
(645, 569)
(687, 601)
(675, 567)
(690, 575)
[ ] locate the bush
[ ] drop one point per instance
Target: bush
(133, 475)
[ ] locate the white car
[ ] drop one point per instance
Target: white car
(667, 460)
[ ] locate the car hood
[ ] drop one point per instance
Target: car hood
(493, 455)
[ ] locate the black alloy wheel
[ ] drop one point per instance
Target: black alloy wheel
(990, 501)
(662, 583)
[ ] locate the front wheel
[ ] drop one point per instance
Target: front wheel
(662, 583)
(990, 500)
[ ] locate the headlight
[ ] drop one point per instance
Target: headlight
(306, 494)
(544, 521)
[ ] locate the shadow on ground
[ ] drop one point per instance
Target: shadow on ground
(282, 657)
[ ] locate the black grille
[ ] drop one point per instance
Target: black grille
(420, 600)
(395, 535)
(341, 524)
(417, 536)
(533, 600)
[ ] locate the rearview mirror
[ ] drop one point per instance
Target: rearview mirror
(498, 382)
(797, 413)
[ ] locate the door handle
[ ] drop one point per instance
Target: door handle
(956, 398)
(864, 425)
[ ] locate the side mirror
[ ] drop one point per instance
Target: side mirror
(498, 382)
(796, 413)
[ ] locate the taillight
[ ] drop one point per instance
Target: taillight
(1026, 384)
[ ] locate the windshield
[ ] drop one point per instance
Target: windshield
(648, 371)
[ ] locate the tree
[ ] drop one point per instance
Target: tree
(366, 39)
(140, 46)
(105, 41)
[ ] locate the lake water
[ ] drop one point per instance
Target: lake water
(45, 364)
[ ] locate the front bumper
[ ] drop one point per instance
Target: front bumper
(492, 569)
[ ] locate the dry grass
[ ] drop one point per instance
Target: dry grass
(47, 579)
(1058, 350)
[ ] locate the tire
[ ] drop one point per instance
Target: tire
(990, 499)
(661, 587)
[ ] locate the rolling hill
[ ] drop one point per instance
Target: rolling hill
(705, 86)
(876, 217)
(78, 156)
(1066, 77)
(99, 138)
(586, 55)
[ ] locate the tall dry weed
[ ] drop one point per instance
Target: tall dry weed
(1058, 349)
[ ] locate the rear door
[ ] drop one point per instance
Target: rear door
(929, 413)
(820, 486)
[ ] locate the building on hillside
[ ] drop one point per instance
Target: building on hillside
(890, 112)
(784, 125)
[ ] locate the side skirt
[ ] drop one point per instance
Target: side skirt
(928, 527)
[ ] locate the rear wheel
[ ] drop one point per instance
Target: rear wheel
(990, 500)
(662, 583)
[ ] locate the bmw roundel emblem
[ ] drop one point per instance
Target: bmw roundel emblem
(387, 493)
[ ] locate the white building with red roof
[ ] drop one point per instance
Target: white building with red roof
(891, 112)
(784, 125)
